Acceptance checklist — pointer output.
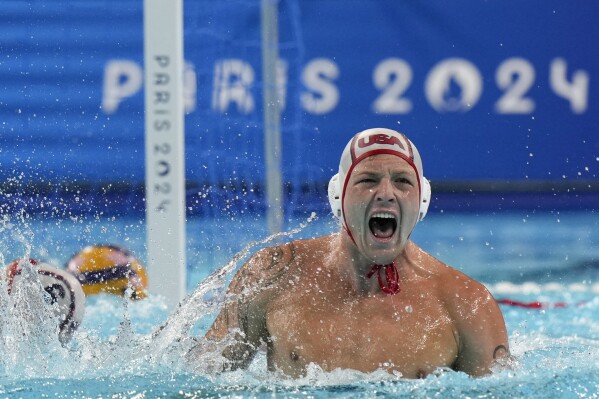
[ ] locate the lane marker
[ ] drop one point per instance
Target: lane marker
(506, 287)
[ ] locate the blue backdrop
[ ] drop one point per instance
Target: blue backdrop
(488, 90)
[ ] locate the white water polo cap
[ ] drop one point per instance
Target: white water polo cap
(58, 288)
(373, 142)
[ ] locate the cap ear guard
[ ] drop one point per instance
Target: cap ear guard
(335, 195)
(426, 198)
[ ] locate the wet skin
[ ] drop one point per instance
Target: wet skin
(310, 301)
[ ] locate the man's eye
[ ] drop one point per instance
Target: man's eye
(403, 180)
(366, 180)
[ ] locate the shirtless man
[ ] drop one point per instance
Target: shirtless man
(367, 297)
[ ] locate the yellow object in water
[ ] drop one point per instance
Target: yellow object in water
(109, 269)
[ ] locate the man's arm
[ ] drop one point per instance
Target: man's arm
(242, 320)
(482, 333)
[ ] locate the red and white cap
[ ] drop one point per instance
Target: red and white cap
(373, 142)
(61, 291)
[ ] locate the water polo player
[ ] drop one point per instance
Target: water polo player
(367, 297)
(28, 280)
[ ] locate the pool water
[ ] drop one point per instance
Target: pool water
(119, 352)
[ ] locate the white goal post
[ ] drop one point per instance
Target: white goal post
(165, 140)
(164, 149)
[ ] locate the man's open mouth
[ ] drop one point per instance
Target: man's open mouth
(382, 224)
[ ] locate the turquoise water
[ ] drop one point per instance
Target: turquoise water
(547, 257)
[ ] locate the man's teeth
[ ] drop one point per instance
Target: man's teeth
(383, 215)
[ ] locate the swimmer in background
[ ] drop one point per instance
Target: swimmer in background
(60, 291)
(96, 269)
(367, 297)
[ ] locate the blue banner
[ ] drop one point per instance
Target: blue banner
(488, 90)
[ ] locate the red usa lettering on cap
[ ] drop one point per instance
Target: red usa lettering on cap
(380, 138)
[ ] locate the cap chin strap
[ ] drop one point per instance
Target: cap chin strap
(391, 276)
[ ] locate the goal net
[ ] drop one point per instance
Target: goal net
(73, 134)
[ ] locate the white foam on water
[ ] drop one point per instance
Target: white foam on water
(507, 287)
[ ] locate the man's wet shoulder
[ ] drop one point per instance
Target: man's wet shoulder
(313, 246)
(459, 287)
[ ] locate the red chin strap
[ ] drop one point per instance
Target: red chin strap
(391, 276)
(391, 273)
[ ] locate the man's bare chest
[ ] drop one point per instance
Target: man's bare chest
(411, 335)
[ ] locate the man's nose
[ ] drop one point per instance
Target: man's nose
(385, 191)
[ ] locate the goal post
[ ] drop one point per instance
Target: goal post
(272, 114)
(164, 149)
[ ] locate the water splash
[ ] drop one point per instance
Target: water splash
(17, 236)
(556, 351)
(29, 335)
(29, 338)
(206, 298)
